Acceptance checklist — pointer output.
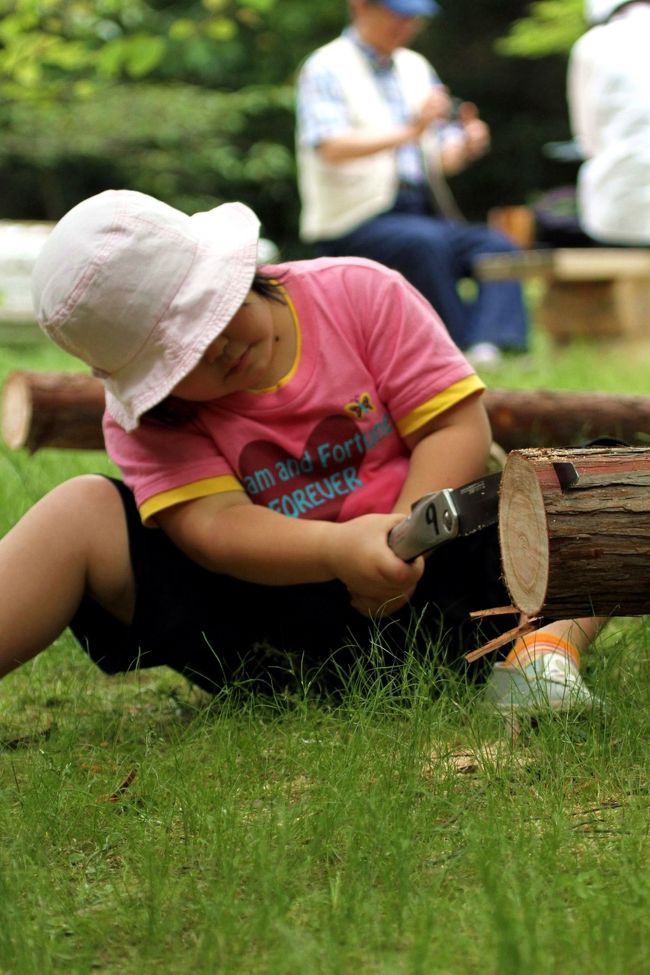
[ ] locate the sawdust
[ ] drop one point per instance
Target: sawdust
(475, 761)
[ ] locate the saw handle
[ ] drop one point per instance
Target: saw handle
(433, 520)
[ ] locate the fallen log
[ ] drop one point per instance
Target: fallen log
(574, 528)
(52, 409)
(64, 410)
(538, 417)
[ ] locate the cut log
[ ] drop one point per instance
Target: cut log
(52, 409)
(574, 529)
(64, 410)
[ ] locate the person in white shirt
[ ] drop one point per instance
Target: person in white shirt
(608, 93)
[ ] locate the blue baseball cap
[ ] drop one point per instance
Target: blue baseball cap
(412, 8)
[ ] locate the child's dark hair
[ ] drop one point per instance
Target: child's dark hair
(172, 410)
(266, 286)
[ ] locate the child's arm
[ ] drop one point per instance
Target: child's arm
(229, 534)
(449, 451)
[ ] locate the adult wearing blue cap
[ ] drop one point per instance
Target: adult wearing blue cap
(375, 142)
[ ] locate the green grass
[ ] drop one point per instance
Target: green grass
(148, 828)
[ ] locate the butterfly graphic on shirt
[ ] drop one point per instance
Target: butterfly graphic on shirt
(360, 405)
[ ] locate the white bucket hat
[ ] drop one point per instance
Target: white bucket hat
(139, 290)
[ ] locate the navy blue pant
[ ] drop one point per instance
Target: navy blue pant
(434, 254)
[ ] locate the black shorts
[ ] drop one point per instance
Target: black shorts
(215, 629)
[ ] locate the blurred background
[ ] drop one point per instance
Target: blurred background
(193, 101)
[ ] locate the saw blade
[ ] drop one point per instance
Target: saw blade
(477, 504)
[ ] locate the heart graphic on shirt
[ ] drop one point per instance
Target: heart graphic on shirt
(313, 485)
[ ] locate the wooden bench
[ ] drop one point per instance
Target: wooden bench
(591, 292)
(20, 243)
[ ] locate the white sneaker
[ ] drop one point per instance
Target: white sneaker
(550, 681)
(484, 354)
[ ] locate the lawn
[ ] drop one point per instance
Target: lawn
(385, 830)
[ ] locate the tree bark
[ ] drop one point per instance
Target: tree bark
(538, 417)
(64, 410)
(574, 529)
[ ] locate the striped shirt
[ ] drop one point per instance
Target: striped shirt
(322, 111)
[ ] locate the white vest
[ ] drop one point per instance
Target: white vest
(337, 197)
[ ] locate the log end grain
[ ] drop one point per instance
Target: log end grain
(523, 536)
(51, 409)
(16, 406)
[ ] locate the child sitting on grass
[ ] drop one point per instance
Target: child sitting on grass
(271, 425)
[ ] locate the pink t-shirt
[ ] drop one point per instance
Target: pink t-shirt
(373, 364)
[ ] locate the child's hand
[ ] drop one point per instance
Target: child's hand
(378, 581)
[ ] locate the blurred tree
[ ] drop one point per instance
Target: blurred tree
(192, 100)
(63, 48)
(551, 27)
(70, 48)
(187, 145)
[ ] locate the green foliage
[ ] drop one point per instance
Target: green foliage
(551, 27)
(190, 146)
(148, 830)
(137, 119)
(191, 102)
(49, 48)
(53, 49)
